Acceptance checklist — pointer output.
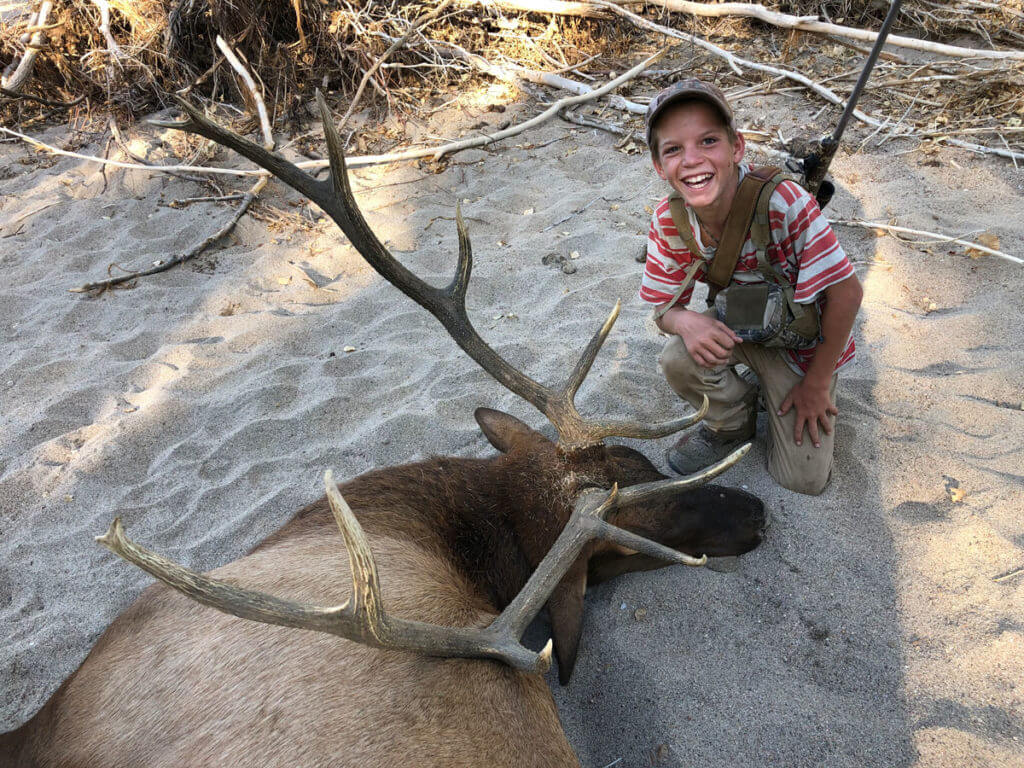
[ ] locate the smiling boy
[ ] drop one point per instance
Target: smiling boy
(696, 148)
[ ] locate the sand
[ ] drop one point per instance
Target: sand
(203, 405)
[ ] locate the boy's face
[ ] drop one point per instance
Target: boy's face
(697, 156)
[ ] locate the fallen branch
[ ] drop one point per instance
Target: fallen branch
(978, 148)
(933, 235)
(45, 102)
(811, 24)
(551, 7)
(250, 83)
(867, 51)
(572, 86)
(589, 122)
(36, 42)
(187, 201)
(101, 285)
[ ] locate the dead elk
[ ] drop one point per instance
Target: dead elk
(415, 657)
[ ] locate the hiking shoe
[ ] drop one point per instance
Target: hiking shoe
(704, 447)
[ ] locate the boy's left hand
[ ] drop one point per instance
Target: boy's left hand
(813, 407)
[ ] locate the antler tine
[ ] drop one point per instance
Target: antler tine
(361, 619)
(647, 492)
(595, 430)
(574, 431)
(459, 284)
(366, 602)
(587, 522)
(579, 373)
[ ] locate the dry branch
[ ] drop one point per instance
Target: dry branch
(551, 7)
(811, 24)
(573, 86)
(101, 285)
(250, 83)
(45, 102)
(17, 79)
(933, 235)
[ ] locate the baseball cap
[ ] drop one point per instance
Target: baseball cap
(690, 88)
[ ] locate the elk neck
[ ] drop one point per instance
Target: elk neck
(494, 519)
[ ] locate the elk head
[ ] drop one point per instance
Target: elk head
(601, 507)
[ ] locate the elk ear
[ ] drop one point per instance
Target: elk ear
(565, 609)
(504, 431)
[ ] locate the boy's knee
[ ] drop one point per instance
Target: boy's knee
(676, 363)
(802, 485)
(809, 483)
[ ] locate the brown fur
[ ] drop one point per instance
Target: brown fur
(172, 683)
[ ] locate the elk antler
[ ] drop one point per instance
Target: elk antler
(363, 618)
(334, 196)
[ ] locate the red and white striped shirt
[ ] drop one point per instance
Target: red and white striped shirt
(802, 244)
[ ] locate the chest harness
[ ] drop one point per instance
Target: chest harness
(763, 313)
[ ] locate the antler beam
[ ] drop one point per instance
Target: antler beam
(334, 196)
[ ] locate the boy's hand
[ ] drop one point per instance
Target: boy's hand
(708, 341)
(813, 406)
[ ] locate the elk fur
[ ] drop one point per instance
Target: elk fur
(172, 683)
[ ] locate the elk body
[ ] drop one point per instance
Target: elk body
(440, 567)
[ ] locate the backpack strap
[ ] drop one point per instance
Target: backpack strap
(760, 237)
(741, 216)
(678, 210)
(688, 277)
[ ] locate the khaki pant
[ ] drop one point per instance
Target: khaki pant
(733, 403)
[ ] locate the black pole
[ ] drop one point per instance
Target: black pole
(816, 165)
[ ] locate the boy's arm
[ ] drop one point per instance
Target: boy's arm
(708, 341)
(810, 396)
